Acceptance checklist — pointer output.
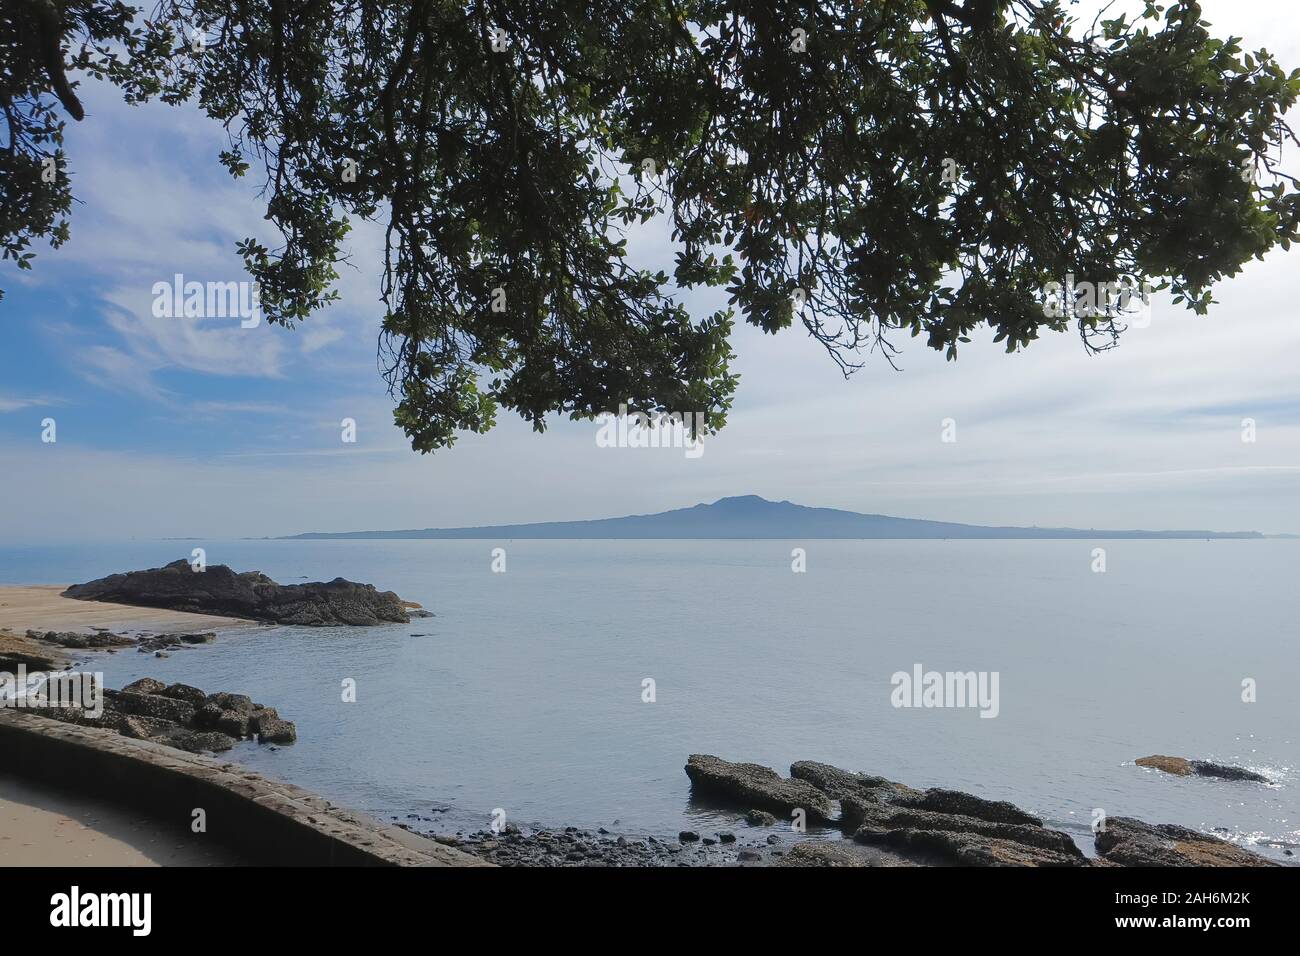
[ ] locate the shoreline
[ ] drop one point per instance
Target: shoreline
(736, 844)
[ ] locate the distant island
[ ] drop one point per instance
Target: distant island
(749, 516)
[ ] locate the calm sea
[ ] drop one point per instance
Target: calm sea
(525, 691)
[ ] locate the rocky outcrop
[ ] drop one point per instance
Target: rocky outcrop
(182, 716)
(937, 825)
(1130, 842)
(969, 840)
(1182, 767)
(251, 595)
(756, 786)
(940, 826)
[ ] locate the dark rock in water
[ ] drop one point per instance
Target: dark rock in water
(1182, 767)
(1130, 842)
(760, 818)
(754, 785)
(688, 836)
(252, 595)
(727, 836)
(1204, 768)
(276, 731)
(949, 826)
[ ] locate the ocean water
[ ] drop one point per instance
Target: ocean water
(525, 691)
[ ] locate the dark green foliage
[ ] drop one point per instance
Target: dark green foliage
(795, 146)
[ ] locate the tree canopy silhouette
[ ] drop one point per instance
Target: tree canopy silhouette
(864, 168)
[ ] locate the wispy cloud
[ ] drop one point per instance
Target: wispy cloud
(9, 404)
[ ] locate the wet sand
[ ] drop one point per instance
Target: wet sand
(41, 607)
(40, 826)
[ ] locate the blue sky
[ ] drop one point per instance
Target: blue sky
(175, 427)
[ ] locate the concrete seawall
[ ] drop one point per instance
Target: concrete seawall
(265, 820)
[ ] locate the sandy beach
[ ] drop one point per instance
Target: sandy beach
(42, 607)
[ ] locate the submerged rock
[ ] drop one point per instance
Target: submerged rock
(252, 595)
